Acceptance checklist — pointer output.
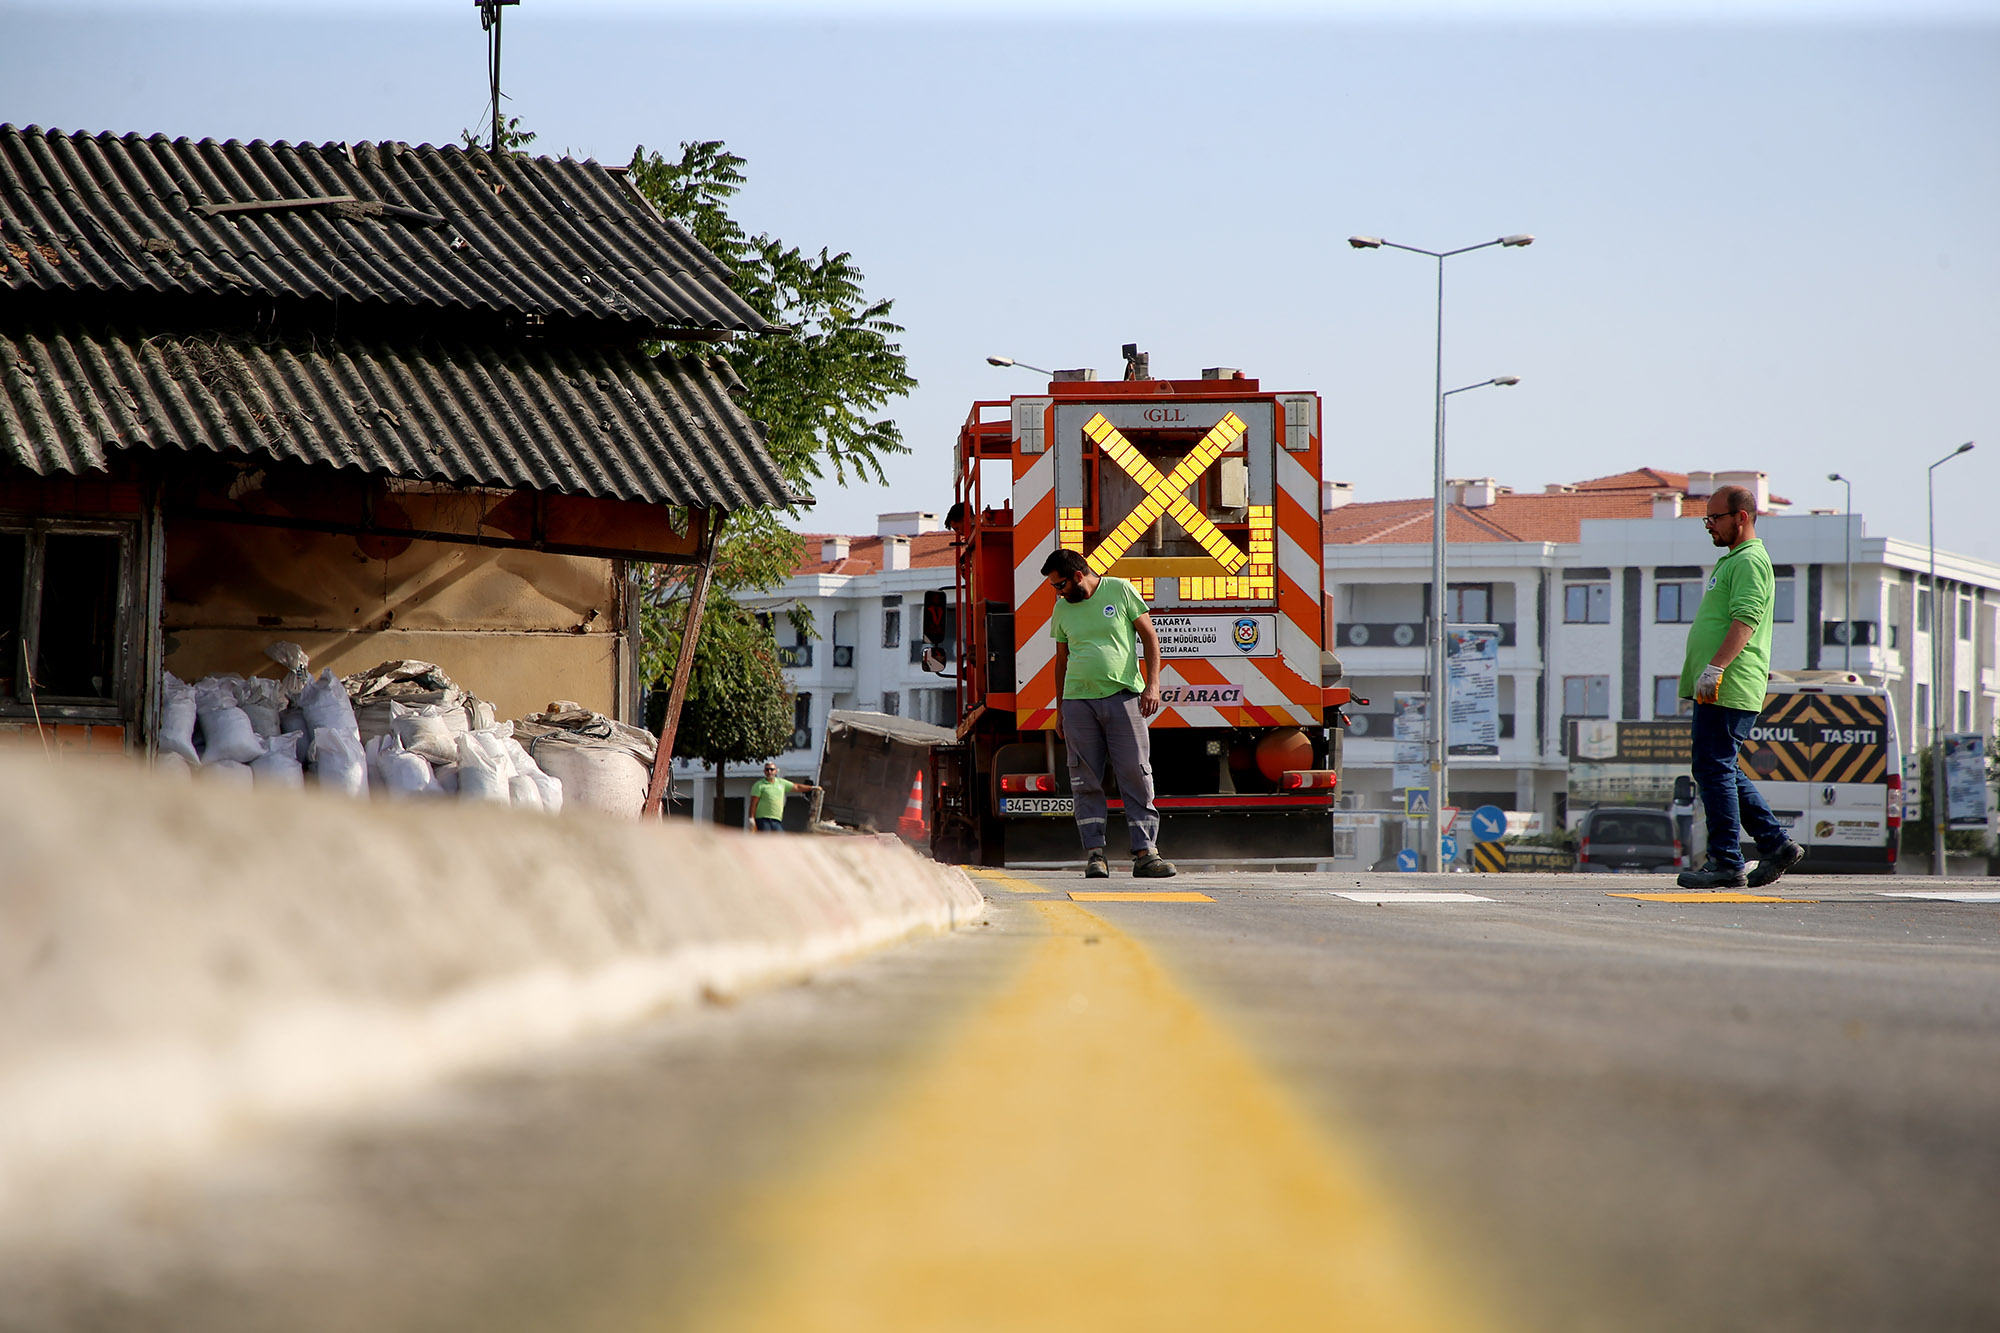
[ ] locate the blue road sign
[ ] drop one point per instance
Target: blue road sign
(1488, 822)
(1406, 859)
(1451, 846)
(1416, 800)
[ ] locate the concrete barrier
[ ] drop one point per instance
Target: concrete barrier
(180, 961)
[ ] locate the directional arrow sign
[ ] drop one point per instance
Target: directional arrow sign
(1488, 823)
(1406, 860)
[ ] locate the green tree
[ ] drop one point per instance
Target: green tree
(819, 390)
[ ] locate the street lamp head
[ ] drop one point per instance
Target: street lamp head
(1518, 238)
(999, 360)
(1365, 242)
(1963, 448)
(1835, 476)
(1507, 379)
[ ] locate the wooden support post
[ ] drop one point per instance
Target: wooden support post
(663, 759)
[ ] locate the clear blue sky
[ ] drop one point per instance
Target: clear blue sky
(1770, 243)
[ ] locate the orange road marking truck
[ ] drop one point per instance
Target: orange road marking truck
(1205, 494)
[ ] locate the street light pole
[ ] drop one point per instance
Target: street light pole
(1004, 361)
(1937, 672)
(1847, 562)
(1439, 745)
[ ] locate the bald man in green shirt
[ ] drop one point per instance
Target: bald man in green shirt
(1727, 673)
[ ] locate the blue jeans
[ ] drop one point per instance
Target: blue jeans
(1729, 798)
(766, 825)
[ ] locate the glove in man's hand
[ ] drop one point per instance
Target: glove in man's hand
(1709, 686)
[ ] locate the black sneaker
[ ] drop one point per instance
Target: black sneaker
(1098, 866)
(1711, 876)
(1151, 865)
(1776, 864)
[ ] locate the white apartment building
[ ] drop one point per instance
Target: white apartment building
(1594, 584)
(866, 595)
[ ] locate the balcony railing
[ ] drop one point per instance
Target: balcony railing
(1396, 634)
(1382, 726)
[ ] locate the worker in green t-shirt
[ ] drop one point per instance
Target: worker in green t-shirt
(1727, 672)
(1104, 694)
(767, 799)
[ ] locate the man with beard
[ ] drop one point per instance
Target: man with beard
(1104, 696)
(1726, 672)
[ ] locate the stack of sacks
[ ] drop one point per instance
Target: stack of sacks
(603, 765)
(403, 729)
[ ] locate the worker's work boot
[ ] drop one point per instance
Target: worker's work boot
(1149, 864)
(1777, 863)
(1097, 865)
(1710, 877)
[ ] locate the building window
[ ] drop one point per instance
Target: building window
(1965, 710)
(1922, 721)
(1469, 604)
(1667, 701)
(1964, 618)
(892, 629)
(1784, 596)
(892, 702)
(1587, 603)
(1587, 696)
(802, 715)
(1923, 608)
(1675, 603)
(62, 610)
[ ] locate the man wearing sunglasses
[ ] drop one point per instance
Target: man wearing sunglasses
(1104, 694)
(1727, 673)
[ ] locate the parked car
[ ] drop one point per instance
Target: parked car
(1619, 838)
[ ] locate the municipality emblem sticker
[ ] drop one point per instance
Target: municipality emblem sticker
(1246, 633)
(1110, 611)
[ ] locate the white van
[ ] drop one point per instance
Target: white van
(1826, 757)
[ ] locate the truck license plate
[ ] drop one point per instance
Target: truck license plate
(1036, 805)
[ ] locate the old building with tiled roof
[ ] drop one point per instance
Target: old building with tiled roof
(379, 400)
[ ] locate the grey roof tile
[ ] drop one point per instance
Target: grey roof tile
(541, 415)
(440, 228)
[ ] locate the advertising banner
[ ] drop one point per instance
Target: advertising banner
(1472, 670)
(1965, 780)
(1412, 763)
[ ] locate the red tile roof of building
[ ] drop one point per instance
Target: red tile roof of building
(864, 554)
(1554, 515)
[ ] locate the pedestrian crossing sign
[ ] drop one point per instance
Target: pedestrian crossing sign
(1416, 800)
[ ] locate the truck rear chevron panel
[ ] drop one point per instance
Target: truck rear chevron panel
(1034, 538)
(1219, 691)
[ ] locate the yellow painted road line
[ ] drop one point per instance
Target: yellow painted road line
(1007, 881)
(1092, 1152)
(1156, 896)
(1707, 898)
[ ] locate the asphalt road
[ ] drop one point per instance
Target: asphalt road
(1267, 1106)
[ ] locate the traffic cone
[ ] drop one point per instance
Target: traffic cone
(911, 825)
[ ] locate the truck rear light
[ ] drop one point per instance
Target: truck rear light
(1028, 782)
(1895, 803)
(1583, 850)
(1308, 779)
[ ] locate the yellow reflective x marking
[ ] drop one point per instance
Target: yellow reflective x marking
(1164, 494)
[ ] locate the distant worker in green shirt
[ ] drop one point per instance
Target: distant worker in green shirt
(1104, 694)
(767, 799)
(1727, 673)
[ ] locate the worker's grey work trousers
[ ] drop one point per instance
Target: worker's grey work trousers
(1110, 728)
